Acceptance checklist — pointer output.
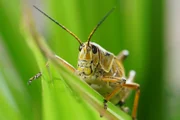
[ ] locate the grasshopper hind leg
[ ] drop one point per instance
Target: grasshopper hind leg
(131, 76)
(122, 55)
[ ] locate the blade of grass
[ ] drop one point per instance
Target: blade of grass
(19, 55)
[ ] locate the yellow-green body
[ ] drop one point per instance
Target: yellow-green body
(92, 67)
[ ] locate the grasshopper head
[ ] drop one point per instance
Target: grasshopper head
(88, 58)
(91, 55)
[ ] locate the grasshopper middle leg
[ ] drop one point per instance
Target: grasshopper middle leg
(134, 86)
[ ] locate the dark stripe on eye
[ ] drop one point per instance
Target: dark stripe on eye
(94, 49)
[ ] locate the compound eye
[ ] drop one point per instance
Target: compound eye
(80, 47)
(94, 49)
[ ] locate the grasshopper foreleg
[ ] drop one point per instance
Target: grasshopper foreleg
(63, 62)
(39, 74)
(119, 81)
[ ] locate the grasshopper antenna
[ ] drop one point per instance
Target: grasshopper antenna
(93, 31)
(59, 25)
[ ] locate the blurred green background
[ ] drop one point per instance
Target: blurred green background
(141, 26)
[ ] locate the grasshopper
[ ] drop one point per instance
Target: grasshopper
(102, 70)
